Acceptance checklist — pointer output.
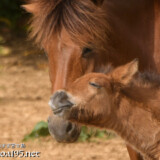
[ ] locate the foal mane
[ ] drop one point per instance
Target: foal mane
(142, 87)
(145, 89)
(148, 79)
(82, 19)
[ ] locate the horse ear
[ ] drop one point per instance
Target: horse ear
(97, 2)
(31, 8)
(125, 73)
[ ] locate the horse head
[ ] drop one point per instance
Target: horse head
(71, 34)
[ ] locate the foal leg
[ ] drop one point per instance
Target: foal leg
(134, 155)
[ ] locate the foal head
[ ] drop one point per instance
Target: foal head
(91, 99)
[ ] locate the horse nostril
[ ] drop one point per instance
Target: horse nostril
(69, 127)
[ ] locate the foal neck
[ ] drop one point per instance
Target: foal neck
(139, 126)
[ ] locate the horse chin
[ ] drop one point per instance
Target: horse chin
(62, 130)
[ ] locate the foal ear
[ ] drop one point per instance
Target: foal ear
(97, 2)
(125, 73)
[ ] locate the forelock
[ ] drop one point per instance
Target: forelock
(85, 22)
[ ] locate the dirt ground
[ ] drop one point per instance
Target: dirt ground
(24, 95)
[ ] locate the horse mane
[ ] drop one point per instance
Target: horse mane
(82, 19)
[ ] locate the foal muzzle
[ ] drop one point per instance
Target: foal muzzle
(60, 102)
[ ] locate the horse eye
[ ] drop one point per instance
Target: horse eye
(96, 85)
(86, 52)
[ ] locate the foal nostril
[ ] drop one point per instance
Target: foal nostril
(60, 101)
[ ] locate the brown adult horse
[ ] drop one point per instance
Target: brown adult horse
(82, 36)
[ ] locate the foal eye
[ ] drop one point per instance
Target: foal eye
(96, 85)
(86, 52)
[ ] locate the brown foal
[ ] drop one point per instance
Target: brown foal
(122, 100)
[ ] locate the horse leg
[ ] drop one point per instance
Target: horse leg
(134, 155)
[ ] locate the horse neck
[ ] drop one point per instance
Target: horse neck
(137, 127)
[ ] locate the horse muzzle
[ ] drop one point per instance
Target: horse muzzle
(62, 130)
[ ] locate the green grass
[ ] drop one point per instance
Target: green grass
(40, 130)
(87, 134)
(90, 134)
